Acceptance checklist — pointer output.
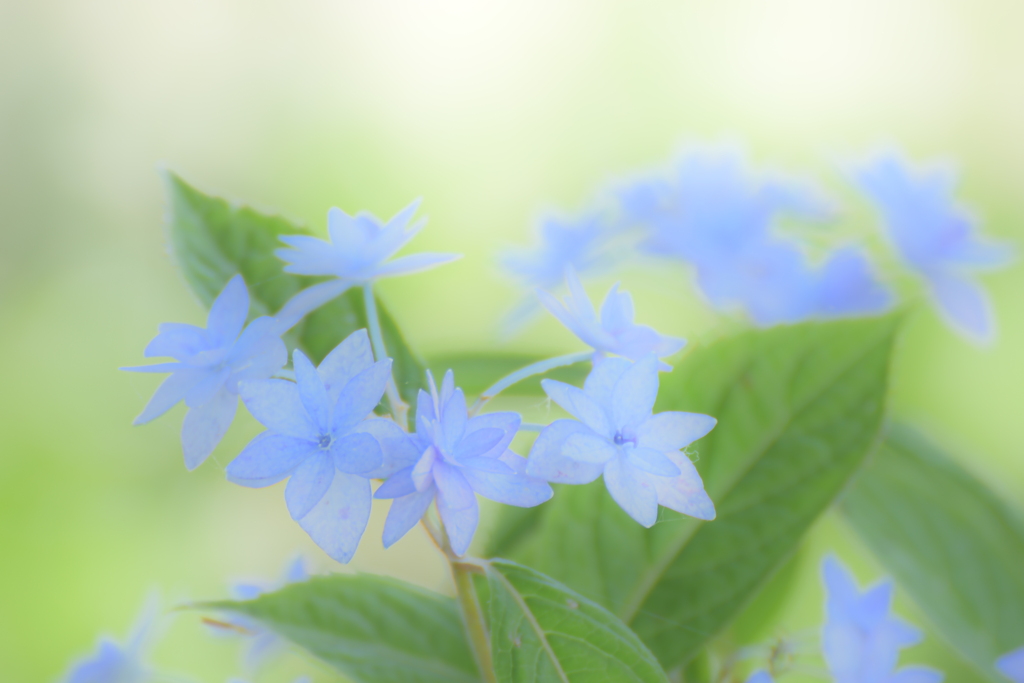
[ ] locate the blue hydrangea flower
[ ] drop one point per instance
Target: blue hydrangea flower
(848, 286)
(117, 663)
(318, 438)
(861, 640)
(618, 436)
(1011, 665)
(615, 332)
(263, 643)
(356, 254)
(580, 244)
(209, 365)
(936, 237)
(451, 458)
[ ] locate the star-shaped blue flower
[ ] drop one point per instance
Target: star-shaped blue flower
(861, 640)
(209, 365)
(356, 254)
(117, 663)
(318, 438)
(618, 436)
(580, 244)
(936, 237)
(615, 332)
(452, 458)
(1011, 665)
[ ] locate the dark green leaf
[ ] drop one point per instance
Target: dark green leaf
(213, 240)
(371, 628)
(798, 409)
(541, 631)
(953, 545)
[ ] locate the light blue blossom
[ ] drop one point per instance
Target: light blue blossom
(760, 676)
(318, 438)
(846, 285)
(117, 663)
(1011, 665)
(356, 254)
(263, 643)
(451, 458)
(618, 436)
(210, 364)
(861, 641)
(615, 332)
(936, 237)
(580, 244)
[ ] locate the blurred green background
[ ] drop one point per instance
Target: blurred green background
(493, 112)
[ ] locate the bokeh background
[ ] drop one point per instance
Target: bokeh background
(493, 112)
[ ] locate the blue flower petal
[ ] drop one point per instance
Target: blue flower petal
(204, 426)
(579, 405)
(635, 393)
(760, 676)
(268, 459)
(276, 404)
(312, 392)
(684, 493)
(360, 396)
(1011, 665)
(308, 484)
(405, 512)
(414, 263)
(652, 461)
(356, 453)
(202, 391)
(507, 422)
(348, 359)
(337, 522)
(170, 391)
(453, 418)
(964, 305)
(589, 447)
(600, 383)
(178, 340)
(478, 442)
(547, 462)
(916, 674)
(457, 505)
(485, 465)
(397, 448)
(672, 430)
(510, 489)
(397, 485)
(633, 492)
(228, 312)
(309, 299)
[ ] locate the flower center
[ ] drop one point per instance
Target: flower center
(622, 439)
(325, 441)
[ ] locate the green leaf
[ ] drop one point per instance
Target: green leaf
(953, 545)
(541, 631)
(213, 240)
(475, 372)
(371, 628)
(798, 410)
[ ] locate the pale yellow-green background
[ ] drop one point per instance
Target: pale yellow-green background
(491, 111)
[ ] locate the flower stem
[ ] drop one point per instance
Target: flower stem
(473, 617)
(399, 410)
(538, 368)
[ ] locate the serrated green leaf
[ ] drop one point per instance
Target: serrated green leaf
(543, 632)
(952, 544)
(371, 628)
(798, 409)
(213, 240)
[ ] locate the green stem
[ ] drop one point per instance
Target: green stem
(473, 617)
(399, 409)
(538, 368)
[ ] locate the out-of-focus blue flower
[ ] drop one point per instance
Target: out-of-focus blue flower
(618, 436)
(615, 332)
(116, 663)
(936, 238)
(451, 458)
(319, 438)
(263, 643)
(847, 286)
(580, 244)
(210, 364)
(1011, 665)
(861, 640)
(356, 254)
(760, 676)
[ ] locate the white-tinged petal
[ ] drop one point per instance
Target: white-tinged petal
(589, 447)
(633, 491)
(178, 340)
(547, 462)
(204, 426)
(308, 484)
(259, 351)
(509, 489)
(357, 453)
(229, 311)
(277, 406)
(600, 383)
(672, 430)
(397, 448)
(564, 316)
(423, 471)
(635, 393)
(360, 396)
(457, 505)
(414, 263)
(348, 359)
(617, 310)
(268, 459)
(652, 461)
(684, 493)
(337, 522)
(397, 485)
(170, 391)
(202, 391)
(425, 405)
(579, 405)
(405, 512)
(964, 305)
